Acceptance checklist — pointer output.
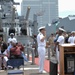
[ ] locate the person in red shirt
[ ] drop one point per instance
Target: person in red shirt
(16, 50)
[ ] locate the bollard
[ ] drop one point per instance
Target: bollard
(33, 56)
(48, 52)
(53, 66)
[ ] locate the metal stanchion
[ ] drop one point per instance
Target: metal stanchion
(32, 52)
(27, 53)
(24, 49)
(33, 56)
(48, 52)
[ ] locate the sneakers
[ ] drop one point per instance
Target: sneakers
(40, 72)
(10, 67)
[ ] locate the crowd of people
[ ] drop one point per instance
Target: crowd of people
(55, 39)
(59, 38)
(14, 49)
(9, 50)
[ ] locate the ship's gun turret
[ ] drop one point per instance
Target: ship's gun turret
(27, 14)
(24, 27)
(12, 29)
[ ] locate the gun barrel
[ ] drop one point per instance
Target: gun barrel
(28, 11)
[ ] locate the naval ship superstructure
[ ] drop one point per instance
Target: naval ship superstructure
(10, 22)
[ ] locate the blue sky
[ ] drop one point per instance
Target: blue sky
(66, 7)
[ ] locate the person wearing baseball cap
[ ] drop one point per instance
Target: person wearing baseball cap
(59, 41)
(61, 29)
(12, 38)
(41, 47)
(41, 28)
(11, 34)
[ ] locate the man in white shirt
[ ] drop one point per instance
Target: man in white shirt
(10, 41)
(12, 38)
(60, 41)
(41, 47)
(71, 39)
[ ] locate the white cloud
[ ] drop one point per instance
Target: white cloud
(66, 5)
